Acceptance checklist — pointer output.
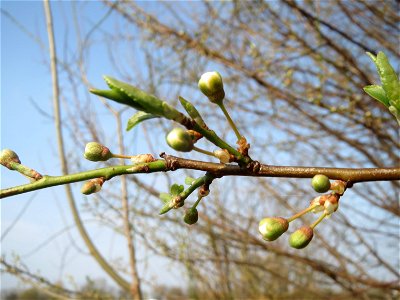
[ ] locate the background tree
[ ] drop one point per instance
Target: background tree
(293, 74)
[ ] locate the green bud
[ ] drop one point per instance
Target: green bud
(191, 216)
(272, 228)
(301, 237)
(211, 85)
(180, 140)
(7, 156)
(97, 152)
(320, 183)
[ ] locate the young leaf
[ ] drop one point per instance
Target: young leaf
(189, 180)
(389, 79)
(165, 197)
(117, 96)
(150, 103)
(192, 111)
(378, 93)
(176, 189)
(137, 118)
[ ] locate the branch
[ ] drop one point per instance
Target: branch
(172, 163)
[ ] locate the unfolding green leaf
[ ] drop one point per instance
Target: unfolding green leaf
(378, 93)
(137, 118)
(149, 103)
(117, 96)
(192, 111)
(165, 197)
(189, 180)
(176, 189)
(389, 79)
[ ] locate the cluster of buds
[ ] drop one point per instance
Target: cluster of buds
(273, 227)
(328, 203)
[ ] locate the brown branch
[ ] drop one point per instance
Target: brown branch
(172, 163)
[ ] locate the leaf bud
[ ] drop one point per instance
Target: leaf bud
(92, 186)
(7, 156)
(211, 85)
(320, 183)
(272, 228)
(223, 155)
(179, 140)
(97, 152)
(191, 216)
(301, 237)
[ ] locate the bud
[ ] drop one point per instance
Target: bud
(223, 155)
(331, 204)
(301, 237)
(191, 216)
(7, 156)
(97, 152)
(318, 203)
(92, 186)
(272, 228)
(320, 183)
(142, 158)
(211, 85)
(338, 186)
(179, 140)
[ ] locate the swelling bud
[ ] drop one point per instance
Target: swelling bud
(223, 156)
(97, 152)
(191, 216)
(92, 186)
(211, 85)
(320, 183)
(301, 237)
(272, 228)
(180, 140)
(7, 156)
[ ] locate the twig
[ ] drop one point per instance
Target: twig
(172, 163)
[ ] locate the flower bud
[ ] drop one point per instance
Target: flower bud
(7, 156)
(191, 216)
(211, 85)
(223, 155)
(318, 203)
(92, 186)
(320, 183)
(331, 204)
(338, 187)
(272, 228)
(97, 152)
(180, 140)
(301, 237)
